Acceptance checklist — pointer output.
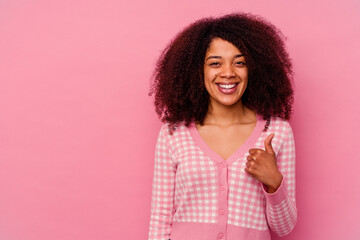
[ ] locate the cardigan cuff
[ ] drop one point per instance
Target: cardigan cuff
(278, 196)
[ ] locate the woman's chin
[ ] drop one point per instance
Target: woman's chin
(228, 102)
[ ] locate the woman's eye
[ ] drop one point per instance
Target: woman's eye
(214, 64)
(240, 64)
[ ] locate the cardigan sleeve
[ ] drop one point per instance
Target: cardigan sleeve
(163, 187)
(281, 212)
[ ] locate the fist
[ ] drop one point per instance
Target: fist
(262, 166)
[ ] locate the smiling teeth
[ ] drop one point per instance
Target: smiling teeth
(227, 86)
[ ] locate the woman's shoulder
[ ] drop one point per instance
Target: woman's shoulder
(171, 130)
(279, 125)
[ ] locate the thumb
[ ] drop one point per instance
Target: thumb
(267, 143)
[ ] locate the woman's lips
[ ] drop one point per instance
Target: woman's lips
(227, 88)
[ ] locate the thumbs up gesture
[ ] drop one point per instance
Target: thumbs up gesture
(262, 166)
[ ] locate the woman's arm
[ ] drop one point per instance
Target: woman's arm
(281, 209)
(162, 202)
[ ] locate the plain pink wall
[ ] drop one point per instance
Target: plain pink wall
(77, 129)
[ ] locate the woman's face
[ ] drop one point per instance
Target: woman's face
(225, 72)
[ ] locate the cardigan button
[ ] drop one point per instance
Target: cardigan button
(221, 235)
(222, 188)
(223, 165)
(222, 212)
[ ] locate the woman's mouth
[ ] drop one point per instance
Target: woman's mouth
(227, 88)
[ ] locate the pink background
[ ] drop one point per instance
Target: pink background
(77, 129)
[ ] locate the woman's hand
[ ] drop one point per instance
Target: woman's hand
(262, 166)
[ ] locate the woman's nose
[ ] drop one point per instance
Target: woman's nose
(227, 71)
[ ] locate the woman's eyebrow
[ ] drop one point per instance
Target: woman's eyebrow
(219, 57)
(239, 55)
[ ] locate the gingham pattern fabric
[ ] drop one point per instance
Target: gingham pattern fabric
(187, 183)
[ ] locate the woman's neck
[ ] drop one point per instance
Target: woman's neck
(222, 115)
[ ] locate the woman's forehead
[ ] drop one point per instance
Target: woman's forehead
(221, 47)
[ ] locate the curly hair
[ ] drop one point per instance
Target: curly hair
(178, 79)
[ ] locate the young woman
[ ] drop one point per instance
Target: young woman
(225, 157)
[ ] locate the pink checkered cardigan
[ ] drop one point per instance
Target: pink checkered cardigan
(198, 195)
